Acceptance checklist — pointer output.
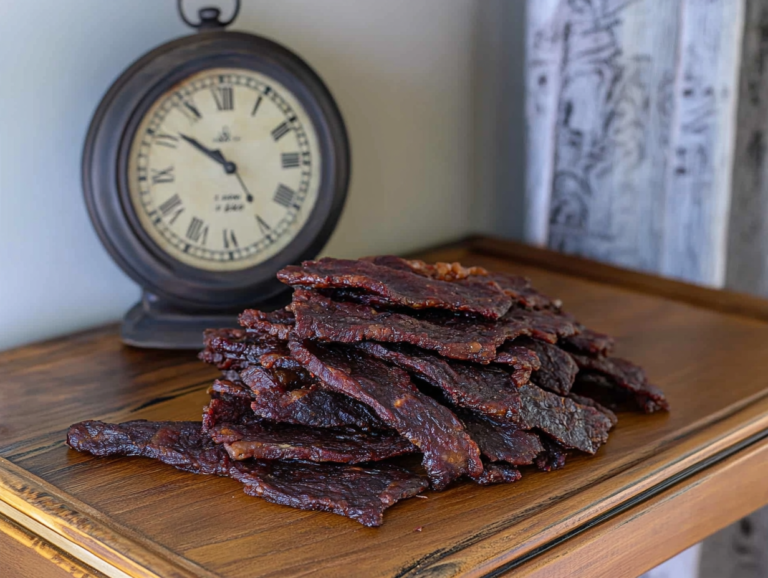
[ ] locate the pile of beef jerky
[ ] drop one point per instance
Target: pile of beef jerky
(475, 373)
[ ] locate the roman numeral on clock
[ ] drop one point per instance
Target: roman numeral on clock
(196, 232)
(256, 106)
(224, 97)
(172, 205)
(284, 196)
(280, 131)
(265, 229)
(166, 140)
(162, 176)
(290, 160)
(190, 111)
(230, 241)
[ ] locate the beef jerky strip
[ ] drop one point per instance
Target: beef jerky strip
(275, 323)
(520, 290)
(502, 442)
(237, 348)
(303, 402)
(524, 360)
(448, 451)
(626, 375)
(498, 474)
(282, 441)
(515, 286)
(588, 342)
(439, 270)
(358, 493)
(589, 402)
(557, 370)
(225, 408)
(491, 392)
(318, 317)
(552, 458)
(395, 287)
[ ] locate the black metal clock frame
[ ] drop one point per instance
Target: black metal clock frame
(189, 295)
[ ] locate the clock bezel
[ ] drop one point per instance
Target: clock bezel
(108, 144)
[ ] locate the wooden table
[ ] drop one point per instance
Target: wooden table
(662, 483)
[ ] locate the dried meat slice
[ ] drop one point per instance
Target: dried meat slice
(625, 375)
(282, 441)
(457, 337)
(502, 442)
(320, 318)
(225, 407)
(557, 370)
(303, 402)
(520, 290)
(360, 493)
(589, 402)
(448, 451)
(353, 491)
(552, 458)
(490, 391)
(442, 271)
(276, 323)
(588, 342)
(494, 473)
(524, 360)
(399, 288)
(233, 349)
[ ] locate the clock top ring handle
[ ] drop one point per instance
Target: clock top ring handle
(209, 17)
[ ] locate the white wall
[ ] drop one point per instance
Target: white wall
(400, 70)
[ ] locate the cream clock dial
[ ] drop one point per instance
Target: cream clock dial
(224, 169)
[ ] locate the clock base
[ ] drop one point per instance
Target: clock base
(152, 324)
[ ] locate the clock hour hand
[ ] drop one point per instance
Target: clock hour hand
(229, 167)
(248, 196)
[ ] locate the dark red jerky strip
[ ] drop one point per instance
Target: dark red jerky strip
(552, 458)
(557, 371)
(490, 391)
(570, 424)
(588, 342)
(358, 493)
(439, 270)
(626, 375)
(523, 359)
(502, 442)
(589, 402)
(448, 451)
(304, 403)
(225, 408)
(270, 441)
(520, 290)
(352, 491)
(400, 288)
(232, 388)
(544, 325)
(237, 348)
(181, 444)
(320, 318)
(275, 323)
(498, 474)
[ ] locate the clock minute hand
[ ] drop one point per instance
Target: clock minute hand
(216, 155)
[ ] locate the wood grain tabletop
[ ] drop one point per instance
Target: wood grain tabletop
(660, 484)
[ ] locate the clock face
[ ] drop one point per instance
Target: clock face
(224, 169)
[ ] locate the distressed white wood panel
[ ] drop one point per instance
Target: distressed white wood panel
(702, 141)
(738, 551)
(544, 54)
(747, 264)
(611, 128)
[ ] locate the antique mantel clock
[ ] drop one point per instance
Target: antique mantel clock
(212, 162)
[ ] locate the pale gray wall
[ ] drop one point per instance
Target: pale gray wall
(401, 71)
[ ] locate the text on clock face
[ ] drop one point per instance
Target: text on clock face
(224, 169)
